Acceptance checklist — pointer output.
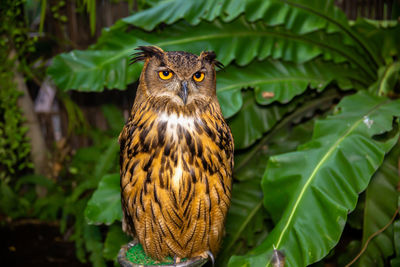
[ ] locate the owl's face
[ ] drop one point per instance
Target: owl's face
(180, 78)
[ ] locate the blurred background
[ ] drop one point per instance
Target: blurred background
(66, 89)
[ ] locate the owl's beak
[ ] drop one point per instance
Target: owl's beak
(183, 93)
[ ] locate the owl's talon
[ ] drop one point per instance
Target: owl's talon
(211, 257)
(208, 255)
(132, 244)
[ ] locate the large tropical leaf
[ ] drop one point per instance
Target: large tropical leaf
(298, 16)
(273, 12)
(244, 220)
(254, 120)
(251, 163)
(283, 80)
(171, 11)
(336, 21)
(379, 210)
(246, 214)
(243, 229)
(383, 36)
(108, 66)
(310, 192)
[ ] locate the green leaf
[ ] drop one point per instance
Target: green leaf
(396, 241)
(114, 117)
(303, 19)
(383, 36)
(298, 16)
(254, 120)
(76, 209)
(379, 210)
(310, 192)
(395, 262)
(388, 77)
(244, 216)
(107, 159)
(114, 240)
(355, 218)
(94, 245)
(245, 226)
(107, 66)
(350, 251)
(76, 120)
(93, 70)
(337, 22)
(283, 79)
(83, 187)
(9, 201)
(105, 204)
(171, 11)
(49, 207)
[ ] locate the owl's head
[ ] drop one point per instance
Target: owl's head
(177, 77)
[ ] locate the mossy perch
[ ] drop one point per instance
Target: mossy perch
(133, 255)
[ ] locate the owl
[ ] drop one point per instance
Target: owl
(176, 157)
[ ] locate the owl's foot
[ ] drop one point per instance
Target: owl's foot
(176, 260)
(208, 255)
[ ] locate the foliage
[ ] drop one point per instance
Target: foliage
(13, 29)
(68, 197)
(379, 210)
(14, 145)
(288, 63)
(335, 156)
(87, 168)
(105, 204)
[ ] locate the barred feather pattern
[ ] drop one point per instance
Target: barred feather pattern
(176, 169)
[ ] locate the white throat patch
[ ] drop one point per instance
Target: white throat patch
(173, 120)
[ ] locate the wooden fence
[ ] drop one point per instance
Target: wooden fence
(372, 9)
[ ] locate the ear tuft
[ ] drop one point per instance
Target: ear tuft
(210, 56)
(146, 52)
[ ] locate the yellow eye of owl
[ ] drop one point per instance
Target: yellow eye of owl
(198, 76)
(165, 75)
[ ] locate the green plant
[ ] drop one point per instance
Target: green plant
(87, 168)
(14, 145)
(288, 64)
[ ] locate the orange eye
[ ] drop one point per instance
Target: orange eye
(198, 76)
(165, 75)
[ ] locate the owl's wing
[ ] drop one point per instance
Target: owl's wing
(123, 140)
(226, 143)
(221, 135)
(138, 140)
